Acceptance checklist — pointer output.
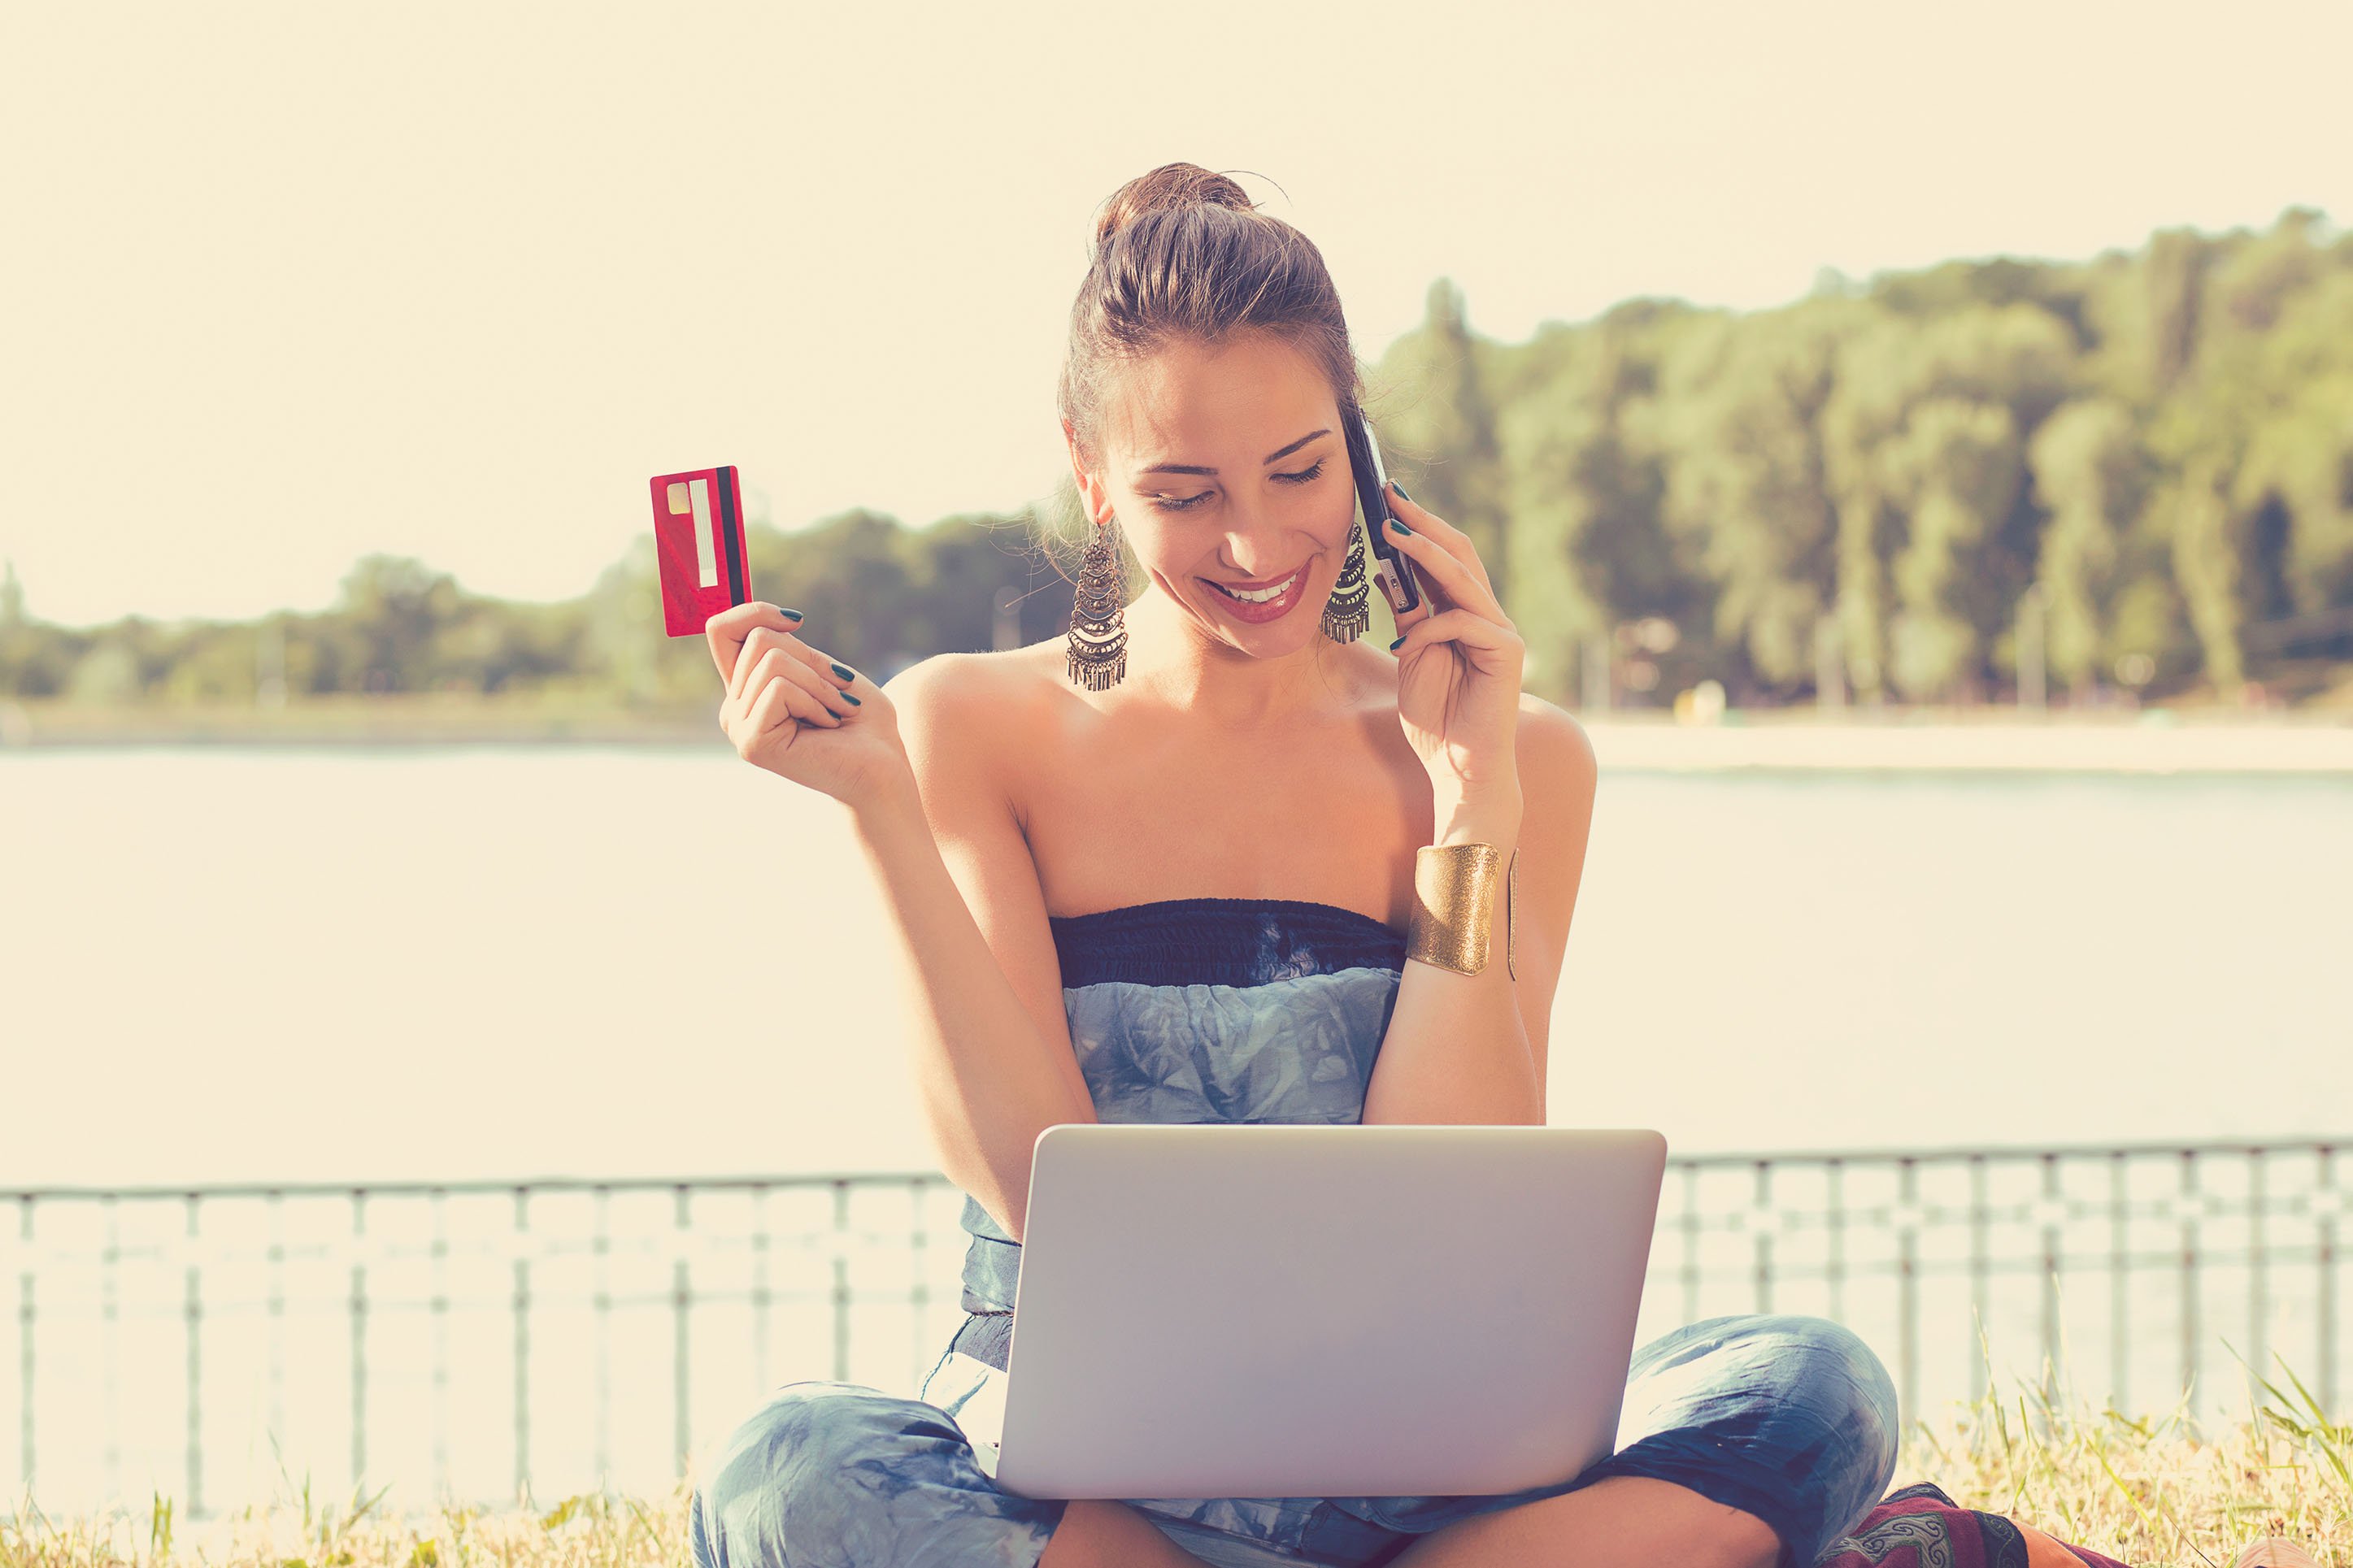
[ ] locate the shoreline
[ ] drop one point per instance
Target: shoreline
(1779, 740)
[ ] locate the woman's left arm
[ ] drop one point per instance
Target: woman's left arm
(1473, 1048)
(1557, 764)
(1509, 770)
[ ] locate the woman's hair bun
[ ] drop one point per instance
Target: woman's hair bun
(1168, 186)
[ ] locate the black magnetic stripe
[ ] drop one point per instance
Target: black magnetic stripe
(732, 533)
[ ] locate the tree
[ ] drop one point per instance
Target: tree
(2091, 472)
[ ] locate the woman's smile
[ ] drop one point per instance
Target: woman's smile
(1258, 611)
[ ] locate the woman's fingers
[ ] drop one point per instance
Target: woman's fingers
(727, 631)
(1464, 626)
(1444, 554)
(765, 641)
(775, 702)
(807, 705)
(771, 708)
(785, 665)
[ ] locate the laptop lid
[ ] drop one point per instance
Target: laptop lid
(1307, 1311)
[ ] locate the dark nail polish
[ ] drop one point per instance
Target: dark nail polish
(855, 702)
(1398, 524)
(1400, 489)
(790, 615)
(1393, 647)
(845, 673)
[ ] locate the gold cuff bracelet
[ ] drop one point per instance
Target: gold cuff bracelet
(1455, 904)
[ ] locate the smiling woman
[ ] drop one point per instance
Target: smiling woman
(1250, 868)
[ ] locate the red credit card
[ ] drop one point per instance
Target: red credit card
(699, 544)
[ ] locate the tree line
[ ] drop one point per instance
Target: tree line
(2133, 473)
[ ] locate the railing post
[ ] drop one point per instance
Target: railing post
(2050, 1262)
(194, 1312)
(603, 1248)
(1908, 1275)
(681, 1301)
(2189, 1200)
(1691, 1243)
(841, 1281)
(1764, 1243)
(25, 1313)
(1834, 1266)
(919, 1295)
(762, 1300)
(1980, 1283)
(440, 1288)
(2258, 1265)
(523, 1344)
(2327, 1201)
(277, 1201)
(359, 1336)
(2120, 1282)
(110, 1313)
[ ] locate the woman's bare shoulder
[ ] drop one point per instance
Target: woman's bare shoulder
(986, 701)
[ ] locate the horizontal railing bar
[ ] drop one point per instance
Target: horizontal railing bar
(2025, 1153)
(2086, 1263)
(507, 1188)
(2186, 1149)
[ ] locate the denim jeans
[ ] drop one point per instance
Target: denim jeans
(1791, 1419)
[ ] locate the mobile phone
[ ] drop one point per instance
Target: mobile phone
(1402, 590)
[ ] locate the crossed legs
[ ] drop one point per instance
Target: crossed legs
(1631, 1520)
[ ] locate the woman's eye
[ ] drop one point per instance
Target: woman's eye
(1185, 503)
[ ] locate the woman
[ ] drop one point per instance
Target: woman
(1168, 874)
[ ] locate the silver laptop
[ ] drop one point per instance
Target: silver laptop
(1285, 1311)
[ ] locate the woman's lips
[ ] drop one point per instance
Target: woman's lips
(1253, 587)
(1272, 610)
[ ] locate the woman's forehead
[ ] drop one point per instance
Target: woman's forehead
(1191, 404)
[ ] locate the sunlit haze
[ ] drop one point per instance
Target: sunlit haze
(291, 284)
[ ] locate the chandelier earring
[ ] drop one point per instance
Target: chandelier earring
(1097, 656)
(1345, 615)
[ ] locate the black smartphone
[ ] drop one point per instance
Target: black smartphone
(1402, 590)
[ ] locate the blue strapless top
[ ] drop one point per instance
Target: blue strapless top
(1208, 1010)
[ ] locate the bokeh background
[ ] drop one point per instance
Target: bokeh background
(1917, 444)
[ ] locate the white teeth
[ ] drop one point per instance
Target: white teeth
(1262, 595)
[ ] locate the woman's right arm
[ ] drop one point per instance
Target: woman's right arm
(993, 1066)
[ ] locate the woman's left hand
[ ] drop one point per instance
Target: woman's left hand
(1459, 663)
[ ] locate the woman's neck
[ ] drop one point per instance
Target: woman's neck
(1173, 661)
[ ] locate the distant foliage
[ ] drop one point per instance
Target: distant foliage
(2135, 469)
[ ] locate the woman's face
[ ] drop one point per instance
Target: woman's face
(1228, 465)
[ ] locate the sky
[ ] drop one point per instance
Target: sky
(290, 284)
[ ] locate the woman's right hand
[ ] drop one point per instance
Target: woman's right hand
(787, 712)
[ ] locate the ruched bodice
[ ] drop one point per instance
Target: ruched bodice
(1265, 1010)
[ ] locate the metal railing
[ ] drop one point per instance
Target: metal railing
(327, 1320)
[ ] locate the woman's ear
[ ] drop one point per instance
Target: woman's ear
(1088, 489)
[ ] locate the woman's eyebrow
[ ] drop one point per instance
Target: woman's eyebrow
(1274, 457)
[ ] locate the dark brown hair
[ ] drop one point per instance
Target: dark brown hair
(1183, 253)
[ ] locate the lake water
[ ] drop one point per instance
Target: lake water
(478, 963)
(223, 963)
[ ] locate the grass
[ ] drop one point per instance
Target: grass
(2151, 1491)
